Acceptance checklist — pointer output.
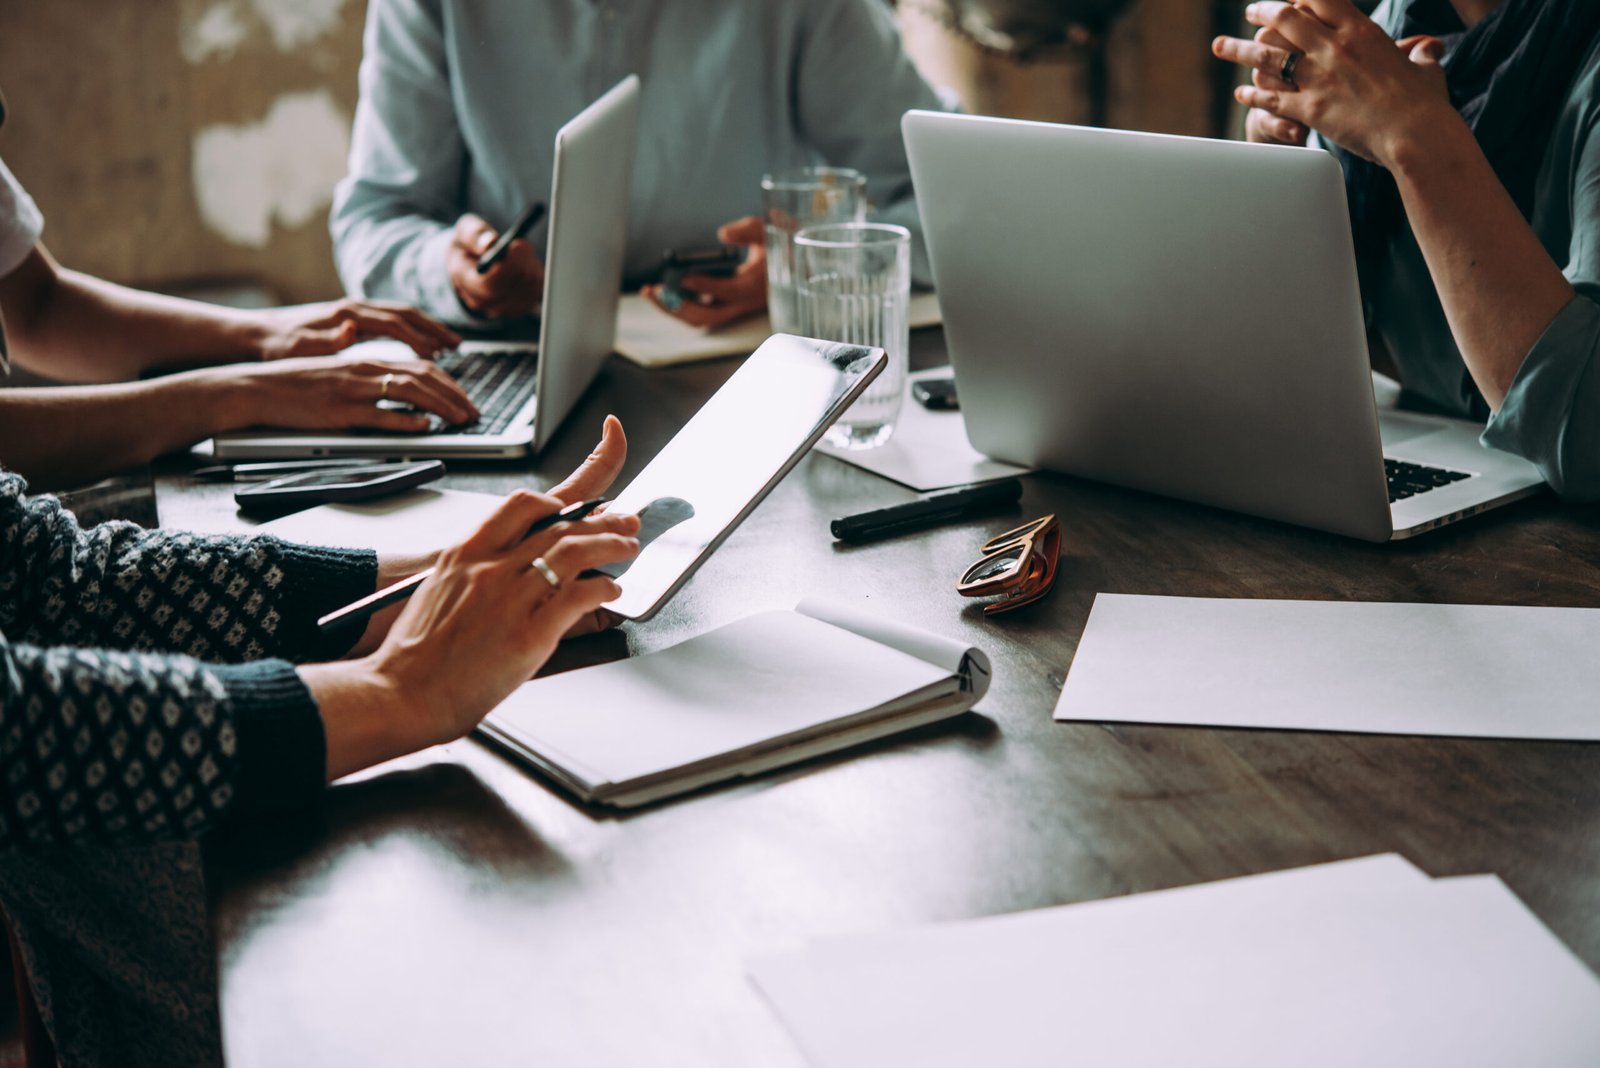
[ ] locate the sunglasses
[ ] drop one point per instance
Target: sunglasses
(1021, 564)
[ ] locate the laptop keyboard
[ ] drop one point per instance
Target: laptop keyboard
(499, 383)
(1408, 480)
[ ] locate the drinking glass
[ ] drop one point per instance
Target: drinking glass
(791, 201)
(854, 285)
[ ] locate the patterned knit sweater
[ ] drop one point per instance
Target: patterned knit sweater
(145, 683)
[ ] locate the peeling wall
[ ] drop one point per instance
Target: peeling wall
(170, 141)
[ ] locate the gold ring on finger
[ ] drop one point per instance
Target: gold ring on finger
(547, 572)
(384, 383)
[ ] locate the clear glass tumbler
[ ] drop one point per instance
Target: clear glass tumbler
(791, 201)
(854, 285)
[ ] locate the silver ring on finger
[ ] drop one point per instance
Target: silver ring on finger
(383, 387)
(547, 572)
(1290, 61)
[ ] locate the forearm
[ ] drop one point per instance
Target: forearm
(1499, 287)
(75, 328)
(68, 435)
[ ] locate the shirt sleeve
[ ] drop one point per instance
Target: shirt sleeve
(20, 222)
(854, 82)
(1551, 413)
(395, 210)
(119, 586)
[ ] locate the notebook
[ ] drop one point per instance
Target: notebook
(650, 337)
(766, 691)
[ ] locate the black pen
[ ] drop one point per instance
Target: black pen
(389, 595)
(497, 251)
(927, 511)
(261, 472)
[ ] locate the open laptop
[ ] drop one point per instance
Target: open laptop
(1182, 316)
(523, 393)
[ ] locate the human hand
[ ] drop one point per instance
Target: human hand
(720, 301)
(323, 329)
(591, 479)
(510, 289)
(330, 393)
(1369, 94)
(1262, 126)
(487, 619)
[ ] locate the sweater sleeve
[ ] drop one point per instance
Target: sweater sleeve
(119, 586)
(116, 746)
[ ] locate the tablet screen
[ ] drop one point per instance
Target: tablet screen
(729, 456)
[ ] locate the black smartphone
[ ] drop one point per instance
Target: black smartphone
(345, 484)
(718, 261)
(936, 394)
(497, 251)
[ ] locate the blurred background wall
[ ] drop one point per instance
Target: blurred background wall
(180, 142)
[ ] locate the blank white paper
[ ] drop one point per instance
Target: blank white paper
(929, 450)
(1435, 669)
(1338, 965)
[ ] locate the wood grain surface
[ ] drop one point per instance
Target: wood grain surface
(450, 908)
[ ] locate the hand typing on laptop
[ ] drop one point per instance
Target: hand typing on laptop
(151, 374)
(315, 394)
(324, 329)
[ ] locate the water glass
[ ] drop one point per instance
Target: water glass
(854, 285)
(791, 201)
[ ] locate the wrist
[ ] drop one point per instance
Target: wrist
(255, 331)
(1428, 140)
(366, 715)
(228, 397)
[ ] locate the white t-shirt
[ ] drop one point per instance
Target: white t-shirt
(20, 227)
(20, 222)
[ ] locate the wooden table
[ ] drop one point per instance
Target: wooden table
(451, 909)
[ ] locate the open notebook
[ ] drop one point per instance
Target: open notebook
(768, 690)
(650, 337)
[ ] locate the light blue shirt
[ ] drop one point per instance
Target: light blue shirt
(460, 101)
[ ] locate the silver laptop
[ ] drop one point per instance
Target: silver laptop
(1182, 316)
(523, 392)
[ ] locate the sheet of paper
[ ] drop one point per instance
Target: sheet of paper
(1438, 669)
(651, 338)
(929, 450)
(765, 676)
(1352, 963)
(418, 520)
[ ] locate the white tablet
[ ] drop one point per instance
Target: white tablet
(728, 457)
